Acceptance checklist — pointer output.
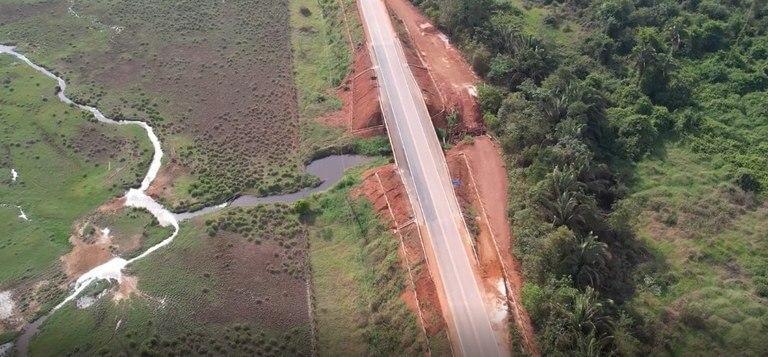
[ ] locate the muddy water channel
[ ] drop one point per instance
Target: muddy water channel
(329, 170)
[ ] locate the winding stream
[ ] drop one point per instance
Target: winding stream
(133, 198)
(330, 170)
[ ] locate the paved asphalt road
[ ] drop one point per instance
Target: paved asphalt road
(421, 161)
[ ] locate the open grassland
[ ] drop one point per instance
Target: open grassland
(357, 279)
(67, 165)
(546, 22)
(321, 35)
(92, 332)
(215, 79)
(238, 289)
(708, 240)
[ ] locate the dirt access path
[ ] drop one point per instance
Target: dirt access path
(480, 173)
(451, 73)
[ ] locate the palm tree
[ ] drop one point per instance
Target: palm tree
(563, 198)
(586, 318)
(588, 261)
(590, 345)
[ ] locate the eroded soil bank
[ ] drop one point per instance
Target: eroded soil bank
(449, 72)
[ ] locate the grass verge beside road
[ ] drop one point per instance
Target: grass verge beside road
(357, 279)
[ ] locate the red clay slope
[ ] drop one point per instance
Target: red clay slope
(452, 75)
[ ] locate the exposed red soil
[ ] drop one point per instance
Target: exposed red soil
(86, 255)
(360, 112)
(435, 105)
(91, 248)
(384, 188)
(481, 174)
(112, 206)
(452, 75)
(359, 93)
(126, 289)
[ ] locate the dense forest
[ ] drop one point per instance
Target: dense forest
(577, 103)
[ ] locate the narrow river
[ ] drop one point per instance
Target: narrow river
(330, 170)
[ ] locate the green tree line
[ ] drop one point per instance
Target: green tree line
(575, 114)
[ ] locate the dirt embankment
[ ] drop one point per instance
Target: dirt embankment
(384, 188)
(481, 183)
(360, 112)
(451, 74)
(90, 248)
(359, 92)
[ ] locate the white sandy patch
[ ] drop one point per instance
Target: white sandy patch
(112, 269)
(6, 305)
(70, 10)
(501, 308)
(472, 91)
(444, 38)
(23, 215)
(85, 302)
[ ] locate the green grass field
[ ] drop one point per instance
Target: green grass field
(187, 291)
(67, 166)
(535, 21)
(188, 69)
(132, 230)
(322, 57)
(709, 247)
(186, 303)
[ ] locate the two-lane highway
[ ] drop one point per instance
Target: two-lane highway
(425, 174)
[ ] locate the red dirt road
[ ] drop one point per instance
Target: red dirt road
(452, 74)
(482, 165)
